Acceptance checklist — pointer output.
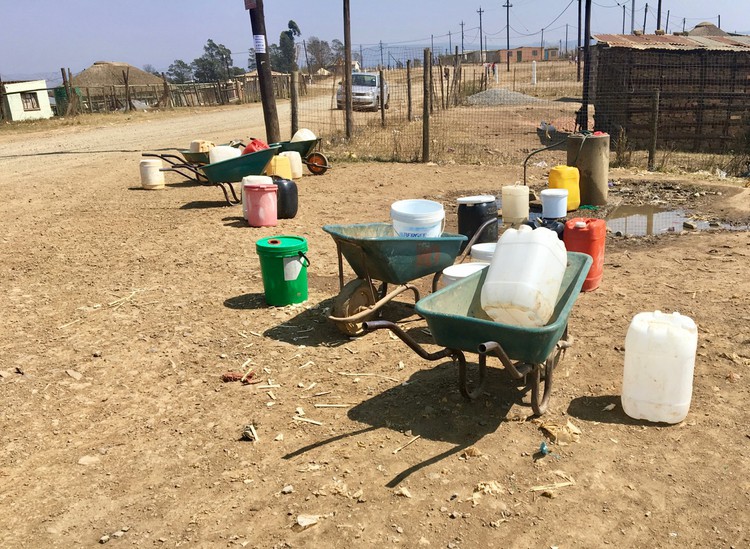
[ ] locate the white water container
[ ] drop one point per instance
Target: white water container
(252, 180)
(483, 251)
(524, 277)
(418, 218)
(295, 163)
(515, 203)
(303, 134)
(219, 153)
(201, 146)
(554, 203)
(151, 176)
(657, 382)
(454, 273)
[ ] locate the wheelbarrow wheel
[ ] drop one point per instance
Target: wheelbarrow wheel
(356, 296)
(317, 163)
(541, 385)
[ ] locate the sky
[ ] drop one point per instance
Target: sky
(38, 37)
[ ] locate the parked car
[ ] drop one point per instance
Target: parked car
(365, 91)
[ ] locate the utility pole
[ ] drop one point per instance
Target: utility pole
(719, 21)
(361, 58)
(658, 15)
(645, 13)
(507, 7)
(258, 24)
(480, 11)
(623, 19)
(632, 16)
(462, 37)
(683, 24)
(583, 114)
(666, 27)
(432, 46)
(541, 48)
(578, 51)
(450, 43)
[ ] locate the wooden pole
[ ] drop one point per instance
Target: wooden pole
(348, 114)
(654, 127)
(88, 100)
(295, 102)
(426, 106)
(442, 82)
(408, 90)
(263, 62)
(3, 115)
(382, 98)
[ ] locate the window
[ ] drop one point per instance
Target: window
(30, 101)
(534, 53)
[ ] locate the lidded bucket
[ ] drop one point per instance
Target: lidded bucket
(554, 203)
(588, 236)
(483, 252)
(475, 211)
(524, 277)
(418, 218)
(151, 175)
(454, 273)
(283, 264)
(252, 180)
(515, 203)
(303, 134)
(567, 177)
(657, 382)
(295, 163)
(261, 204)
(219, 153)
(280, 167)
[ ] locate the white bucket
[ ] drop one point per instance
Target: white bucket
(151, 176)
(223, 152)
(657, 382)
(418, 218)
(295, 162)
(252, 180)
(554, 203)
(483, 251)
(454, 273)
(303, 134)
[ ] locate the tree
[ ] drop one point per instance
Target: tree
(319, 53)
(215, 64)
(179, 72)
(251, 62)
(337, 48)
(287, 61)
(151, 69)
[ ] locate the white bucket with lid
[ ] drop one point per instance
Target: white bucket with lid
(483, 251)
(151, 175)
(554, 203)
(418, 218)
(219, 153)
(295, 163)
(454, 273)
(252, 180)
(657, 382)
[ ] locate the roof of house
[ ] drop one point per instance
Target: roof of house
(107, 73)
(705, 36)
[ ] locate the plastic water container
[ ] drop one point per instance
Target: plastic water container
(483, 252)
(151, 176)
(201, 146)
(524, 277)
(418, 218)
(252, 180)
(280, 167)
(219, 153)
(475, 211)
(287, 198)
(295, 163)
(303, 134)
(657, 382)
(261, 205)
(567, 177)
(454, 273)
(554, 203)
(588, 236)
(515, 203)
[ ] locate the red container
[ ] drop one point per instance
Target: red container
(587, 236)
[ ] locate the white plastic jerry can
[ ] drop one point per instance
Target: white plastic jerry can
(657, 382)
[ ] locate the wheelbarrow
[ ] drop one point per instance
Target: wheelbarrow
(376, 253)
(190, 161)
(315, 161)
(224, 173)
(457, 323)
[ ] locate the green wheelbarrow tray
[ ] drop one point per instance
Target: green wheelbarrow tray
(234, 169)
(456, 319)
(196, 158)
(316, 162)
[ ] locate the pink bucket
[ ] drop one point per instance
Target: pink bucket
(261, 204)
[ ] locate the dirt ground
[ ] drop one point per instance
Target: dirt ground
(123, 308)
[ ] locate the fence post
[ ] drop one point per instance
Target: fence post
(442, 87)
(382, 99)
(295, 102)
(654, 126)
(426, 106)
(3, 116)
(408, 90)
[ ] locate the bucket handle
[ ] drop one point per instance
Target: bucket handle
(303, 256)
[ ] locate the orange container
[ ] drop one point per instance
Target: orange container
(587, 236)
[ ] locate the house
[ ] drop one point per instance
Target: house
(25, 100)
(524, 54)
(701, 78)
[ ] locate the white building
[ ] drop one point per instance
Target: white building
(26, 100)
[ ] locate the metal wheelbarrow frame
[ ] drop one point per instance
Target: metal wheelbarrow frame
(315, 161)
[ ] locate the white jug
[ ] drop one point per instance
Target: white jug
(220, 153)
(515, 204)
(524, 277)
(657, 382)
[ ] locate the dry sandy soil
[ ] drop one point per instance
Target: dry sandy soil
(123, 307)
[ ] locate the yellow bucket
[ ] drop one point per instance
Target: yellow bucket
(567, 177)
(281, 167)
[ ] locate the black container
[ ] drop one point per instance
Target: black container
(551, 224)
(286, 198)
(473, 212)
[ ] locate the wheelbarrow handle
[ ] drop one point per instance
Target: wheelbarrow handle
(372, 325)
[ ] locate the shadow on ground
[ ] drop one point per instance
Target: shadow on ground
(592, 408)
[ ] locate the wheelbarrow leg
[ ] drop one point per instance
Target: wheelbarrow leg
(462, 375)
(543, 374)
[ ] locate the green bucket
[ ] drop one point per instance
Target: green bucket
(283, 264)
